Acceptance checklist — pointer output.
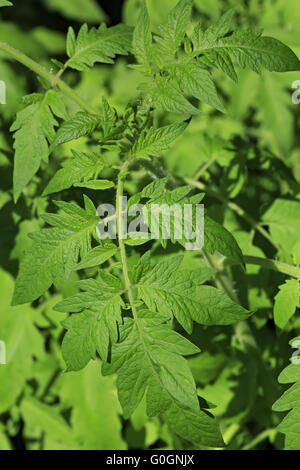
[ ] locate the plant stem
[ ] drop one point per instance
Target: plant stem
(54, 80)
(204, 168)
(283, 268)
(231, 432)
(119, 194)
(261, 437)
(222, 281)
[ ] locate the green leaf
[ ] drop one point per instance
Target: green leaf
(82, 124)
(173, 196)
(173, 31)
(55, 251)
(272, 113)
(90, 331)
(151, 355)
(248, 48)
(97, 256)
(40, 418)
(71, 42)
(5, 3)
(166, 289)
(97, 292)
(82, 166)
(95, 415)
(166, 216)
(283, 219)
(289, 401)
(217, 238)
(296, 253)
(80, 10)
(198, 428)
(223, 25)
(168, 98)
(95, 184)
(152, 191)
(22, 342)
(5, 443)
(153, 141)
(149, 360)
(97, 45)
(196, 81)
(286, 302)
(142, 40)
(34, 130)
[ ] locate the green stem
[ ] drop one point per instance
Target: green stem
(54, 80)
(231, 432)
(119, 194)
(283, 268)
(204, 168)
(222, 281)
(261, 437)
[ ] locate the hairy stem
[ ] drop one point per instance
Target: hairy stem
(53, 80)
(119, 194)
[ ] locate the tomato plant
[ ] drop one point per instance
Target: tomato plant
(150, 244)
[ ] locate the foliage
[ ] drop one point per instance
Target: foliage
(161, 347)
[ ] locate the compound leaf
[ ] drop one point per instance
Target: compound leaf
(54, 251)
(165, 288)
(149, 360)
